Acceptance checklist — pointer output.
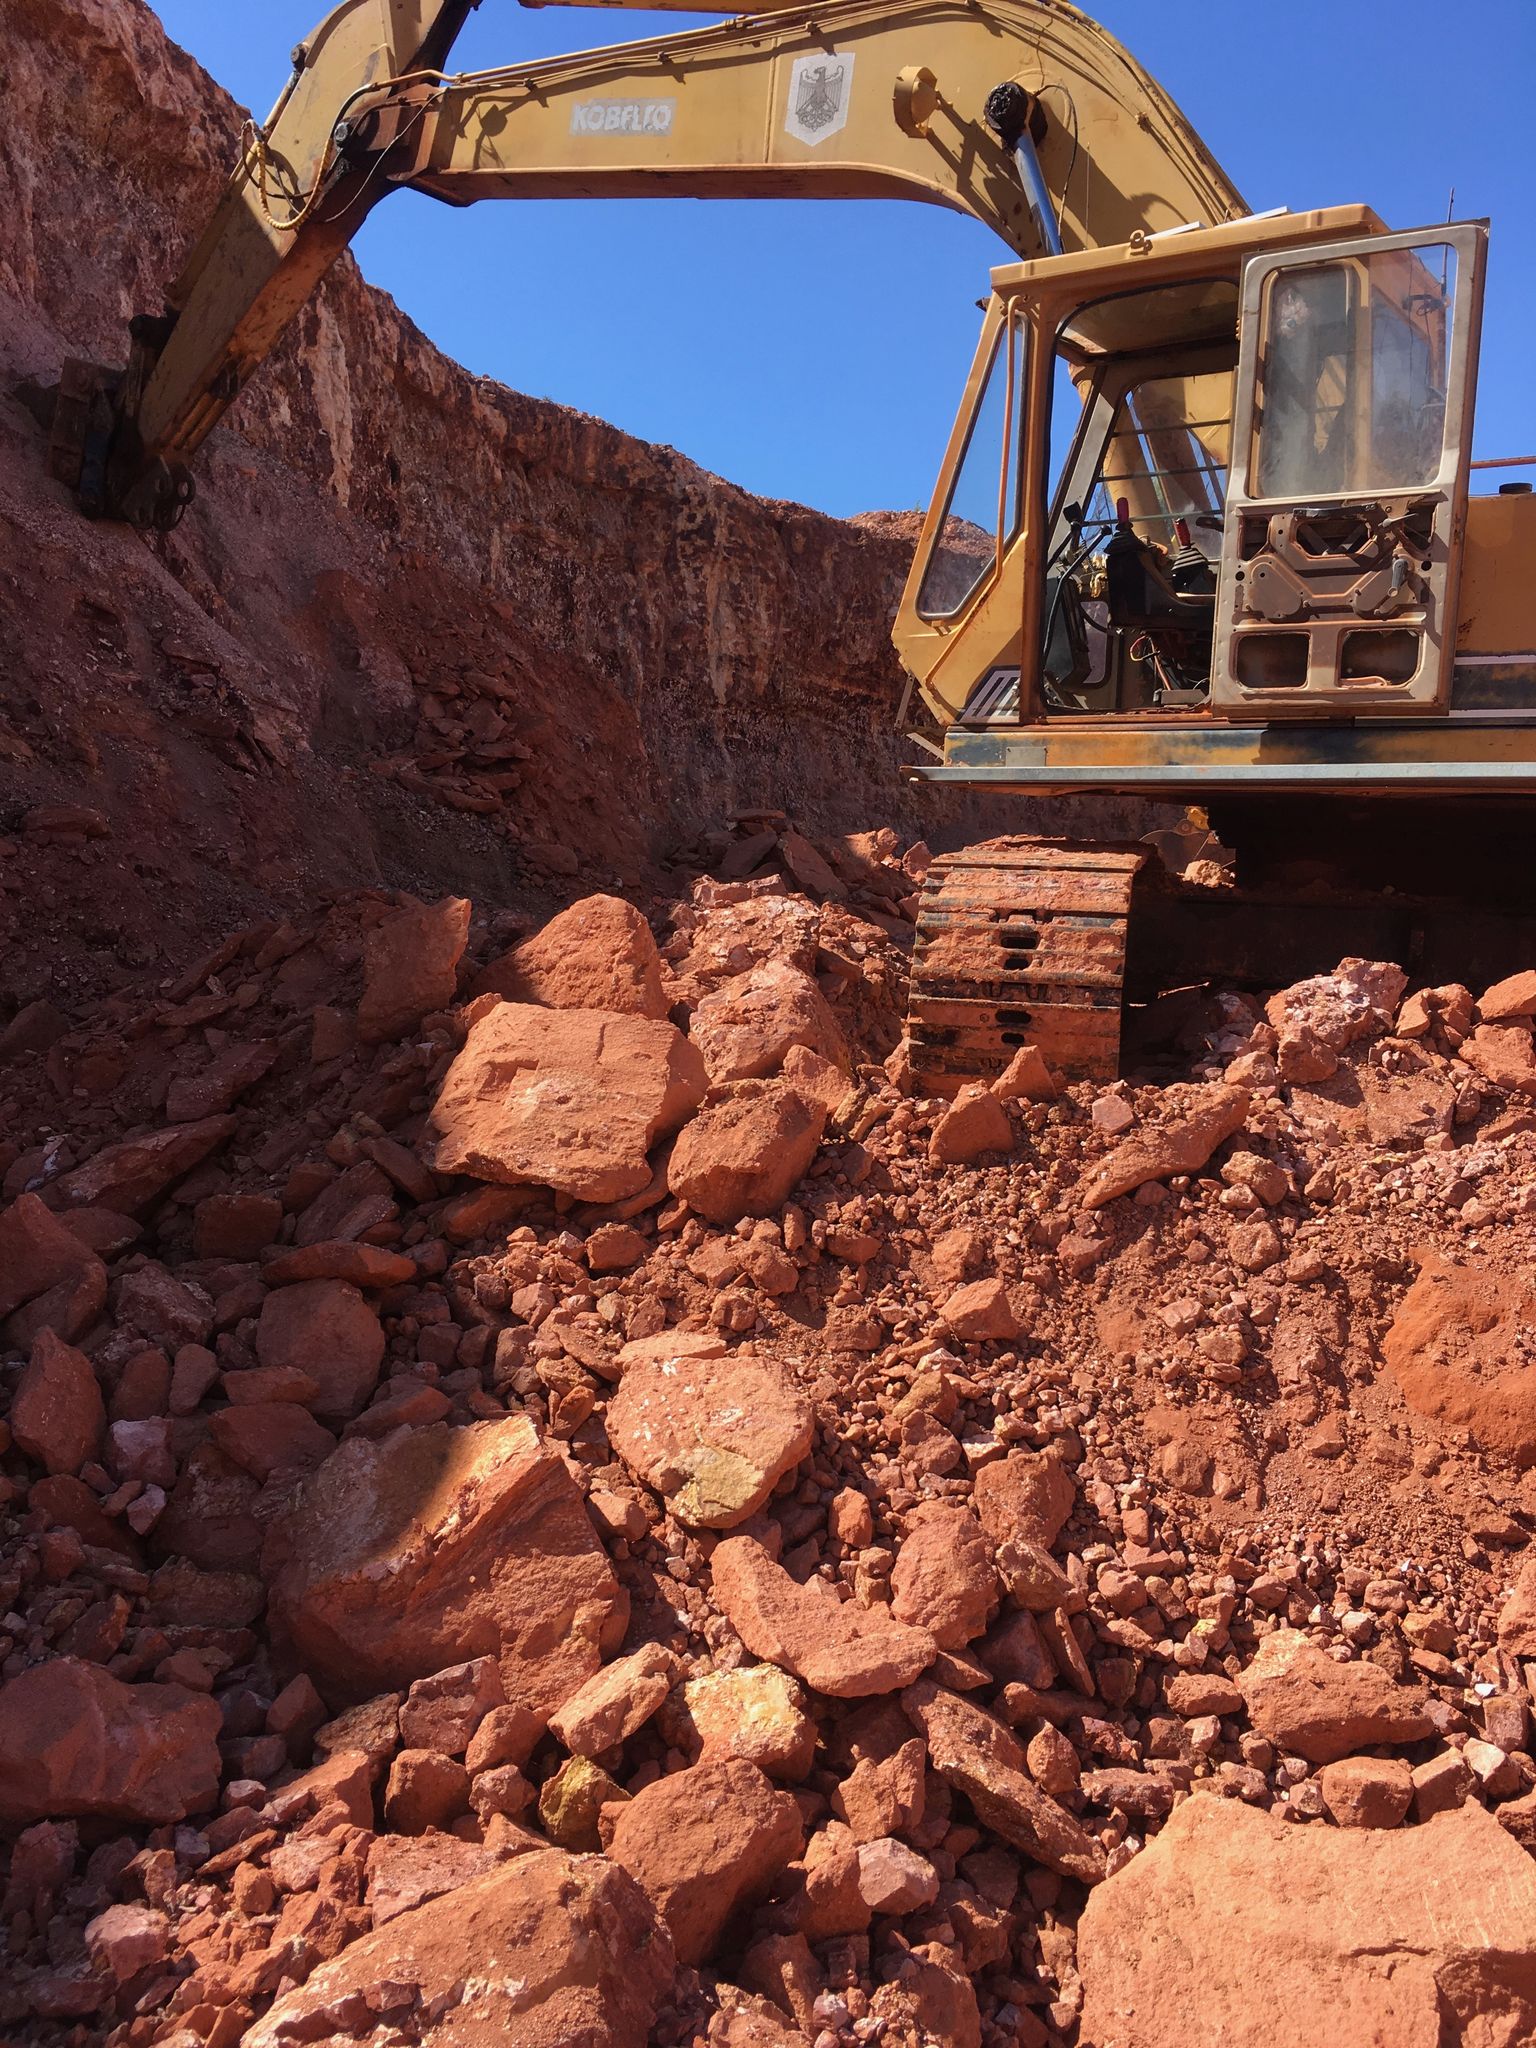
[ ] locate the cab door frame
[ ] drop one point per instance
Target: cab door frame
(1318, 585)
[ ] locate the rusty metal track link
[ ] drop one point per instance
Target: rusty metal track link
(1021, 942)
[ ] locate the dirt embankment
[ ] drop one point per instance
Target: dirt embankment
(418, 628)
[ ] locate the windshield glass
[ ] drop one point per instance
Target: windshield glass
(1352, 391)
(987, 488)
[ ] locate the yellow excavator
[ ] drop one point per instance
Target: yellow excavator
(1203, 531)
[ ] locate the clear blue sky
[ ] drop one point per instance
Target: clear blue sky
(816, 350)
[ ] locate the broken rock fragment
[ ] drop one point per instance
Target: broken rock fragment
(57, 1413)
(944, 1579)
(1504, 1054)
(598, 955)
(973, 1125)
(410, 966)
(756, 1711)
(545, 1949)
(325, 1329)
(76, 1741)
(436, 1546)
(703, 1843)
(985, 1761)
(746, 1027)
(746, 1151)
(1316, 1707)
(1181, 1147)
(615, 1701)
(1027, 1495)
(39, 1253)
(714, 1435)
(836, 1646)
(568, 1099)
(130, 1176)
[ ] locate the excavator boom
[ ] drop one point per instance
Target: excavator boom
(860, 99)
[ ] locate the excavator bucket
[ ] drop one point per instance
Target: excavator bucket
(82, 395)
(1021, 942)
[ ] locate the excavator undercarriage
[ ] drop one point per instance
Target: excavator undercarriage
(1071, 947)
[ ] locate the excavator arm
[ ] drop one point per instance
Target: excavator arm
(1022, 113)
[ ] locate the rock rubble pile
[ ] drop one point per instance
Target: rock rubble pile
(548, 1496)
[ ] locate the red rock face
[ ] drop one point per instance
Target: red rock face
(348, 594)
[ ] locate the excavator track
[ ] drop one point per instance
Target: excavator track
(1021, 942)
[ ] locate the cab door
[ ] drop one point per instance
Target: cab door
(1346, 504)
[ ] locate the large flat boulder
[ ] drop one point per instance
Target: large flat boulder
(568, 1099)
(547, 1951)
(435, 1546)
(1233, 1929)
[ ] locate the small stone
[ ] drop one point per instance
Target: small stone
(1513, 997)
(1440, 1785)
(507, 1735)
(1180, 1147)
(1368, 1791)
(895, 1879)
(943, 1580)
(597, 955)
(425, 1790)
(981, 1758)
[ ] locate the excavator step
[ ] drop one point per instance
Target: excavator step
(1021, 942)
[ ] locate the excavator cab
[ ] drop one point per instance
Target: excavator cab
(1198, 532)
(1208, 478)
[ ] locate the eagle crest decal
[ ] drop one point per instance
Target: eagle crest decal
(820, 88)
